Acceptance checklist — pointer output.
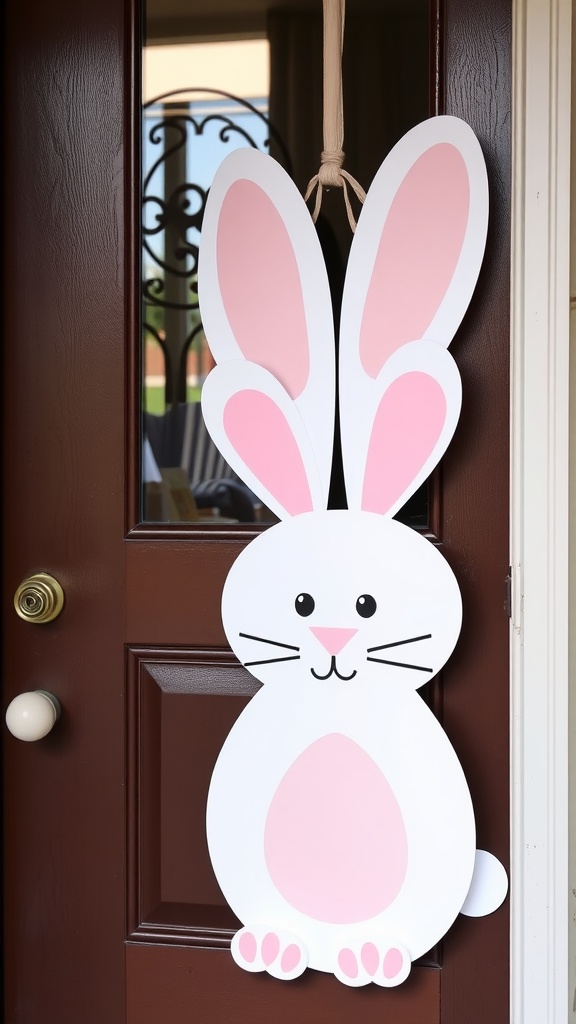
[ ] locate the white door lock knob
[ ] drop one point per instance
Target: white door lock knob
(31, 716)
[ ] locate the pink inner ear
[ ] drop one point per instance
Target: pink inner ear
(407, 425)
(261, 435)
(418, 253)
(260, 285)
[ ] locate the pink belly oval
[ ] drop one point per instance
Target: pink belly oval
(335, 842)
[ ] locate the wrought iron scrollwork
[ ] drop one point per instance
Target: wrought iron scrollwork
(173, 210)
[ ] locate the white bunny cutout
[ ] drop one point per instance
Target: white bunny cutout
(339, 821)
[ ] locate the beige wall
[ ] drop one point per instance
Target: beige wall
(241, 68)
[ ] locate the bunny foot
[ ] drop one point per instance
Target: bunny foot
(265, 949)
(360, 963)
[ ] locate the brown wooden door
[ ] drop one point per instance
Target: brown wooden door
(112, 913)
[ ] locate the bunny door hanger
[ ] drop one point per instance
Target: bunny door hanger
(340, 824)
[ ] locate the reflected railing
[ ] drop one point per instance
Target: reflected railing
(187, 134)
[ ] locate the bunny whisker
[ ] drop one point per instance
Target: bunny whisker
(263, 640)
(400, 664)
(398, 643)
(269, 661)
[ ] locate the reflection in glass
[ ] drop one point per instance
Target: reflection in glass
(201, 101)
(187, 133)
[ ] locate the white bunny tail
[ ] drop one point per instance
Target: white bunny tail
(488, 888)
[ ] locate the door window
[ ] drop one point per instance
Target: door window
(212, 83)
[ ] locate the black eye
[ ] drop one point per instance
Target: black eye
(365, 605)
(304, 604)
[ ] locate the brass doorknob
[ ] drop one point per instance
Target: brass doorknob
(40, 598)
(31, 716)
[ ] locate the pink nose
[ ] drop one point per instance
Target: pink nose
(333, 639)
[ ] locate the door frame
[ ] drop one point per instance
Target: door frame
(540, 510)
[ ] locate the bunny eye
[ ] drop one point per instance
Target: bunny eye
(304, 604)
(366, 606)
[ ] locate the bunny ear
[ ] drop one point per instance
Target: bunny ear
(413, 266)
(408, 418)
(419, 244)
(264, 293)
(257, 428)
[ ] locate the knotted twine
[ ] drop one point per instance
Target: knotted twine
(331, 173)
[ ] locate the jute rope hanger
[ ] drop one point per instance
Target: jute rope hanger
(331, 173)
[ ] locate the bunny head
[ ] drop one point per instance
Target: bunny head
(336, 595)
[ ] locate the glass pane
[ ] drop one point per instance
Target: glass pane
(218, 77)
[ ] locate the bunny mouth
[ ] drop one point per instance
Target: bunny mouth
(333, 671)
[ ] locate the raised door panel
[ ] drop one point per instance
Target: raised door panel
(181, 705)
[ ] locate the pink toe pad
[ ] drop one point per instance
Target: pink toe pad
(270, 948)
(347, 963)
(392, 963)
(290, 958)
(247, 947)
(370, 958)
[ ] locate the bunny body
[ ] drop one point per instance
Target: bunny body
(320, 781)
(339, 822)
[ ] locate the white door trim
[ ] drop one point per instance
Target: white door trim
(539, 512)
